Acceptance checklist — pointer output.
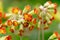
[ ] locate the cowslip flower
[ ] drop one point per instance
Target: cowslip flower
(25, 24)
(46, 26)
(47, 3)
(26, 9)
(21, 31)
(12, 29)
(39, 25)
(9, 22)
(15, 10)
(55, 35)
(28, 17)
(34, 11)
(2, 30)
(31, 27)
(7, 37)
(48, 20)
(0, 21)
(15, 23)
(34, 20)
(53, 6)
(1, 14)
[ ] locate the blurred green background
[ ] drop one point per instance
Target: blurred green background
(55, 26)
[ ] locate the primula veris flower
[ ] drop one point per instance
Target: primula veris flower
(15, 10)
(34, 21)
(2, 30)
(48, 20)
(1, 14)
(26, 9)
(36, 11)
(4, 16)
(9, 22)
(55, 35)
(46, 26)
(15, 23)
(0, 21)
(47, 3)
(31, 27)
(3, 25)
(28, 17)
(8, 38)
(25, 24)
(21, 31)
(12, 29)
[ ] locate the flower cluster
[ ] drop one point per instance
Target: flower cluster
(23, 19)
(46, 13)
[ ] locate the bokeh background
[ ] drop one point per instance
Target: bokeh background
(5, 5)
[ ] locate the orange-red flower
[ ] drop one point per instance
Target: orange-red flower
(27, 7)
(51, 18)
(15, 23)
(8, 38)
(31, 28)
(34, 21)
(55, 5)
(21, 32)
(45, 28)
(4, 16)
(12, 30)
(35, 11)
(25, 24)
(15, 10)
(20, 12)
(3, 25)
(0, 14)
(28, 17)
(55, 11)
(9, 22)
(2, 30)
(0, 21)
